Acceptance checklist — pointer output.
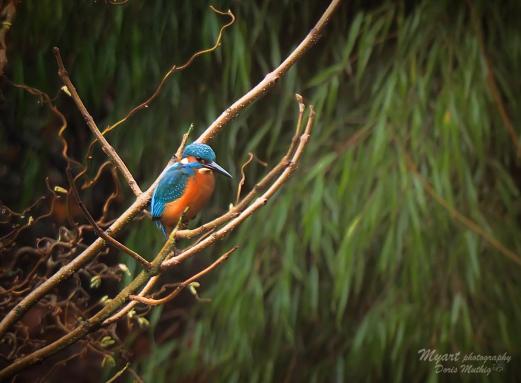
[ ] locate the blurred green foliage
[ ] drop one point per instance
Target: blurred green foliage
(353, 267)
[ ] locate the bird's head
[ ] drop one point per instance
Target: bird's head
(204, 155)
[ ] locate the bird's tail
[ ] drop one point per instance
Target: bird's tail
(160, 226)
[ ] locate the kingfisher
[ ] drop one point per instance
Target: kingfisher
(185, 184)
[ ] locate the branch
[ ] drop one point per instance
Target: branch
(271, 78)
(161, 263)
(107, 148)
(243, 177)
(184, 140)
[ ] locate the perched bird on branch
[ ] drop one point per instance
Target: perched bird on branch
(186, 186)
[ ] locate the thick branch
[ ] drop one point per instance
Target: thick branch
(107, 148)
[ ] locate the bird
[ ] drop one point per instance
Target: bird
(185, 187)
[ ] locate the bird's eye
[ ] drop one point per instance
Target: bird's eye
(198, 159)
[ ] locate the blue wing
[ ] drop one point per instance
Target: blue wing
(170, 188)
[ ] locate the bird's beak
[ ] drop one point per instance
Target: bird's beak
(218, 168)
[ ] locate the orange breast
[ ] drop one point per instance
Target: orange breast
(199, 189)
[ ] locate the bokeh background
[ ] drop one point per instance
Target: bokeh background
(359, 262)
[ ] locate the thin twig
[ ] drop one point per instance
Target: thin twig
(89, 183)
(99, 231)
(175, 69)
(107, 148)
(118, 374)
(105, 211)
(184, 140)
(243, 177)
(184, 284)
